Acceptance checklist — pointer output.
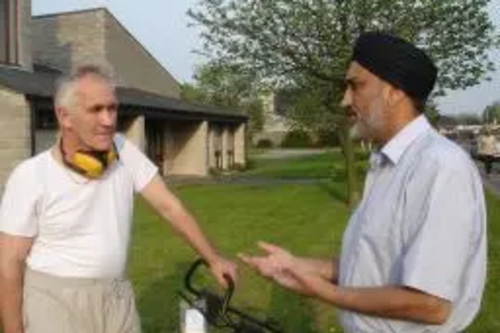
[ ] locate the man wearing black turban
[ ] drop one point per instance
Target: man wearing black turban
(413, 255)
(402, 66)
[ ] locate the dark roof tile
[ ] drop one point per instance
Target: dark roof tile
(41, 83)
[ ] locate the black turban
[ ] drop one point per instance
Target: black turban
(397, 62)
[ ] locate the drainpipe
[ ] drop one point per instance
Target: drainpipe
(33, 118)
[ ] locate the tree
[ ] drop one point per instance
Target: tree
(307, 43)
(227, 87)
(491, 113)
(468, 118)
(432, 113)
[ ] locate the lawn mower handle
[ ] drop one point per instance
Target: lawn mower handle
(225, 308)
(198, 293)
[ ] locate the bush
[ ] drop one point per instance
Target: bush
(214, 172)
(328, 139)
(264, 143)
(297, 139)
(239, 167)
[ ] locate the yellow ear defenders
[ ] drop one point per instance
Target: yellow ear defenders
(90, 164)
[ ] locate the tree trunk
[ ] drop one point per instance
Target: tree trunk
(353, 193)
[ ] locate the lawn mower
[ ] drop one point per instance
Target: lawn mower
(204, 309)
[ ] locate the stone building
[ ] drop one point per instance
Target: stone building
(181, 138)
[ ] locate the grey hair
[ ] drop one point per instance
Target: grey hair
(65, 95)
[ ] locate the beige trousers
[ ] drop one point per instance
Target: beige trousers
(73, 305)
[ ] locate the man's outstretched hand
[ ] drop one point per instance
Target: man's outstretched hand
(289, 271)
(276, 264)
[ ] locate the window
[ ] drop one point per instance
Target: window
(45, 119)
(9, 36)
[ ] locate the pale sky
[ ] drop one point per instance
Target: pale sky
(161, 27)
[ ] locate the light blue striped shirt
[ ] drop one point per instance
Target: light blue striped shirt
(421, 223)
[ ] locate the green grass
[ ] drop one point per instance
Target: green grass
(489, 319)
(309, 219)
(304, 218)
(323, 165)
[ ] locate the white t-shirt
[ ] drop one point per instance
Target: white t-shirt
(81, 227)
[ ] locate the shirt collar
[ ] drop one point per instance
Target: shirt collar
(377, 159)
(395, 148)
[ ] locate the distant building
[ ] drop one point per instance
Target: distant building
(275, 125)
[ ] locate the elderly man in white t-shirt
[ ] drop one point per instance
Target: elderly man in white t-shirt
(66, 216)
(413, 256)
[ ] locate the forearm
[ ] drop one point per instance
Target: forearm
(11, 296)
(172, 210)
(186, 226)
(390, 302)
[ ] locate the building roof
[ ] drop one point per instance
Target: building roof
(110, 23)
(41, 83)
(71, 12)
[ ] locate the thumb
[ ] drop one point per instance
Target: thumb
(244, 257)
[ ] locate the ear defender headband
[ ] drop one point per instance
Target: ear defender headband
(90, 164)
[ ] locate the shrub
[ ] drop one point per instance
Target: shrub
(214, 172)
(297, 139)
(328, 139)
(264, 143)
(239, 167)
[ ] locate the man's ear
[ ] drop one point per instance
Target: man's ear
(63, 117)
(393, 95)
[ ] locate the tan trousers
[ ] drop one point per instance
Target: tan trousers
(73, 305)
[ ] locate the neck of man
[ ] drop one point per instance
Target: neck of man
(398, 118)
(70, 144)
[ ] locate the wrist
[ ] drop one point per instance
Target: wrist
(212, 259)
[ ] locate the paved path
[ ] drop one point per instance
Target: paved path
(289, 153)
(257, 180)
(243, 180)
(492, 182)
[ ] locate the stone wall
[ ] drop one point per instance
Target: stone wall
(15, 144)
(66, 41)
(191, 148)
(134, 64)
(25, 34)
(69, 40)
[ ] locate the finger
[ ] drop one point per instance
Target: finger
(244, 257)
(259, 265)
(233, 273)
(230, 272)
(222, 281)
(250, 261)
(218, 274)
(270, 248)
(229, 280)
(222, 278)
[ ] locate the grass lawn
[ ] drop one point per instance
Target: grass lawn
(309, 219)
(323, 165)
(489, 319)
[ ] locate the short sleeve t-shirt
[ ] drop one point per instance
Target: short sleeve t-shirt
(81, 227)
